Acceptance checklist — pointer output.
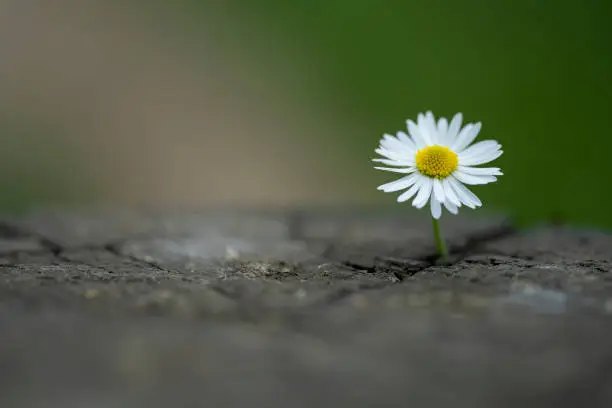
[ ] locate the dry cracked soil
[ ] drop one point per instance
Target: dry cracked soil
(289, 308)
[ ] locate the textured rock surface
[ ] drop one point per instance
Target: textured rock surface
(299, 309)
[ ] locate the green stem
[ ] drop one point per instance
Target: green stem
(440, 245)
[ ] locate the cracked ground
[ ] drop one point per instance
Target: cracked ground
(300, 308)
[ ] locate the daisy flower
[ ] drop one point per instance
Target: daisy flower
(438, 161)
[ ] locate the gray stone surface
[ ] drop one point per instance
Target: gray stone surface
(300, 309)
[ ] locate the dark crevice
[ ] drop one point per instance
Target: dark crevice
(11, 231)
(404, 268)
(60, 255)
(396, 268)
(404, 273)
(53, 247)
(399, 276)
(471, 246)
(114, 249)
(360, 268)
(496, 258)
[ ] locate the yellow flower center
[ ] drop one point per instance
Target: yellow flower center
(436, 161)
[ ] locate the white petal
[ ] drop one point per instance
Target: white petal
(438, 190)
(481, 171)
(450, 193)
(402, 136)
(407, 195)
(387, 153)
(430, 125)
(406, 140)
(394, 155)
(465, 195)
(473, 180)
(462, 135)
(436, 208)
(390, 153)
(394, 145)
(467, 136)
(481, 159)
(415, 133)
(479, 148)
(398, 163)
(407, 170)
(452, 208)
(442, 132)
(424, 193)
(400, 184)
(393, 141)
(453, 128)
(423, 121)
(465, 199)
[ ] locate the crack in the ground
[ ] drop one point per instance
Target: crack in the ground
(113, 248)
(11, 231)
(396, 269)
(404, 268)
(58, 251)
(358, 267)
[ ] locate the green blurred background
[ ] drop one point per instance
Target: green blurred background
(282, 103)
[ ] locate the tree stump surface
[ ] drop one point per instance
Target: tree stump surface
(292, 309)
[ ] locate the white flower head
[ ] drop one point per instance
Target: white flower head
(438, 161)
